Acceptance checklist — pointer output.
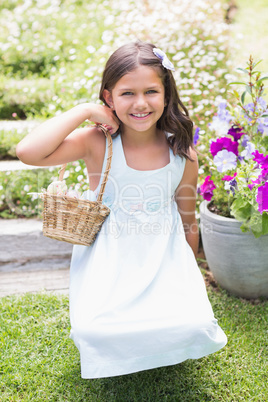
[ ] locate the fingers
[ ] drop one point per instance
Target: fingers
(113, 123)
(109, 128)
(105, 116)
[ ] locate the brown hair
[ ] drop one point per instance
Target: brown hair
(175, 118)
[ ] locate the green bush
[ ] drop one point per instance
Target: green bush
(19, 189)
(8, 142)
(67, 42)
(25, 98)
(52, 55)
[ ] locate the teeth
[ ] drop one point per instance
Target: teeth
(140, 114)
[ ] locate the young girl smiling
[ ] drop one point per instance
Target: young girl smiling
(137, 298)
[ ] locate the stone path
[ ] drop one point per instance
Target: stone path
(23, 282)
(30, 262)
(13, 165)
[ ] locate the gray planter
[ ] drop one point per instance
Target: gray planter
(237, 260)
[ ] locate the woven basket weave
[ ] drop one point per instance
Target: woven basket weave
(76, 221)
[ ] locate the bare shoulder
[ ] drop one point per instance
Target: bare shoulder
(191, 167)
(192, 164)
(92, 139)
(193, 156)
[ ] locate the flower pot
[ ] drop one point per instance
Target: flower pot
(237, 260)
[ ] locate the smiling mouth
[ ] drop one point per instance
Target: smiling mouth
(140, 115)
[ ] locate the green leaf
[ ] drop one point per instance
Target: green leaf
(262, 79)
(243, 97)
(237, 82)
(255, 64)
(242, 69)
(264, 115)
(235, 93)
(244, 228)
(241, 209)
(265, 223)
(258, 223)
(248, 89)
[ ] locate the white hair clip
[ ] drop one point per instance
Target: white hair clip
(163, 57)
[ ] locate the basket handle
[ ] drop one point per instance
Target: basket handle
(108, 163)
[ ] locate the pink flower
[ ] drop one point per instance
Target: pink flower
(224, 143)
(253, 183)
(262, 198)
(207, 188)
(229, 178)
(261, 159)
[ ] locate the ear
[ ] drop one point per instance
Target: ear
(108, 98)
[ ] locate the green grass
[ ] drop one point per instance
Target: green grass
(39, 362)
(251, 21)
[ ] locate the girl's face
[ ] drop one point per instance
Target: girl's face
(138, 99)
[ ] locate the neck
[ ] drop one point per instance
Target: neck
(141, 138)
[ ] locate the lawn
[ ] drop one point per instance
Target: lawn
(39, 362)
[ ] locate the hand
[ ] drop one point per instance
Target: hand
(101, 114)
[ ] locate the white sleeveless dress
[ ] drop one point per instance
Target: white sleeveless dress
(137, 297)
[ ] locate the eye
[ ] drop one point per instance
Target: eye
(127, 93)
(151, 91)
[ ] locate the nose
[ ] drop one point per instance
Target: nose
(140, 102)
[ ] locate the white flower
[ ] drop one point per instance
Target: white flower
(220, 126)
(66, 174)
(247, 153)
(88, 72)
(225, 160)
(91, 49)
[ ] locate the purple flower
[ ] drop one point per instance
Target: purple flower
(249, 107)
(263, 127)
(264, 174)
(223, 143)
(206, 189)
(249, 116)
(244, 141)
(196, 135)
(262, 103)
(236, 132)
(262, 198)
(253, 183)
(222, 113)
(225, 160)
(229, 178)
(261, 159)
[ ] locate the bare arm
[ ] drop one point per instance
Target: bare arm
(186, 201)
(58, 140)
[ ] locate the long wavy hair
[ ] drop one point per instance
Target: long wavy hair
(175, 118)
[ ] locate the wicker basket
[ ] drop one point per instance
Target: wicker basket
(76, 221)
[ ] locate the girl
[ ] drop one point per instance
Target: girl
(137, 298)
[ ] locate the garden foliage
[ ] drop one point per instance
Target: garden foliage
(237, 182)
(52, 54)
